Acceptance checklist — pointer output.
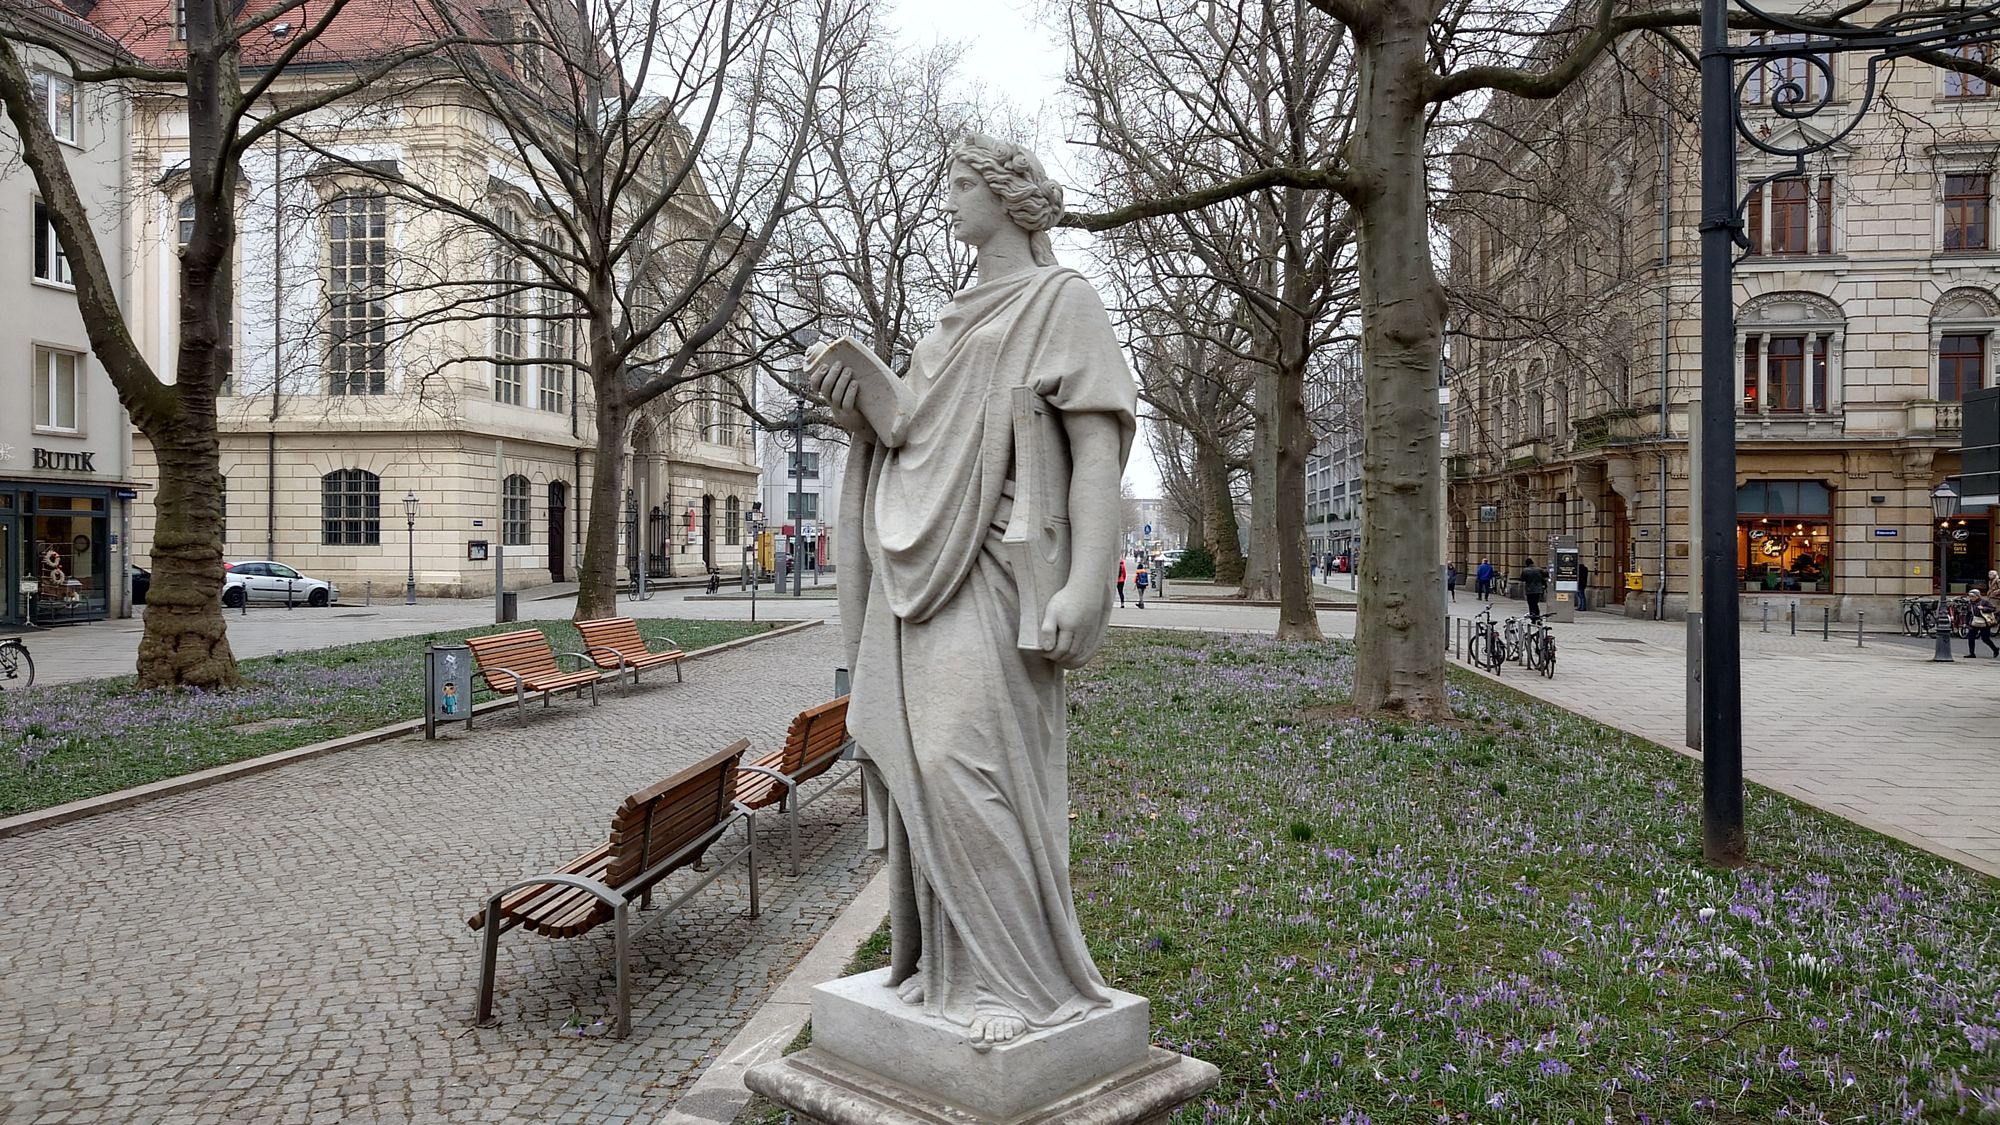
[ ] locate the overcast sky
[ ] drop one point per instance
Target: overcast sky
(1011, 56)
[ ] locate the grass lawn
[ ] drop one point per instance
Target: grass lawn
(71, 741)
(1506, 919)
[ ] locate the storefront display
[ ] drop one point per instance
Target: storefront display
(58, 553)
(1784, 537)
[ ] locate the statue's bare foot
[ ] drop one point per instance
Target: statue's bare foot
(911, 991)
(991, 1027)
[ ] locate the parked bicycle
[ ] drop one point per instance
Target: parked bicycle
(1920, 615)
(1514, 632)
(1538, 647)
(17, 668)
(1487, 650)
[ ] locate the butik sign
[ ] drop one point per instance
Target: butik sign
(64, 462)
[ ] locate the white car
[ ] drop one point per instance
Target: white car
(261, 580)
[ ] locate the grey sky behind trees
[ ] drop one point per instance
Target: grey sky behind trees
(1015, 57)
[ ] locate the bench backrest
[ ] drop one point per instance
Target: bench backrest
(661, 819)
(621, 633)
(526, 651)
(814, 742)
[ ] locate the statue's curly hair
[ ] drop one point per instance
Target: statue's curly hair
(1033, 201)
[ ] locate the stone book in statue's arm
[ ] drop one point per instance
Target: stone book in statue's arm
(1037, 539)
(883, 398)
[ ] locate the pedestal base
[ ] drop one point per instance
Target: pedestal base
(824, 1089)
(875, 1059)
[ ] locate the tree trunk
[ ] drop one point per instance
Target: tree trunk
(1399, 635)
(1219, 513)
(1260, 573)
(185, 643)
(1298, 618)
(597, 585)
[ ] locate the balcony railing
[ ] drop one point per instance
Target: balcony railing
(1950, 417)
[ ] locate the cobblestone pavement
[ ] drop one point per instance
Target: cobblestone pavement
(291, 946)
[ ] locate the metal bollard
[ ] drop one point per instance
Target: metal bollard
(1766, 626)
(1857, 628)
(1825, 622)
(369, 592)
(1795, 619)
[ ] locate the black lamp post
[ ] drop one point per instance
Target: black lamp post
(1944, 505)
(410, 584)
(798, 497)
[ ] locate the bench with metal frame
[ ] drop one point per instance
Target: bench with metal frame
(524, 662)
(615, 645)
(814, 744)
(654, 833)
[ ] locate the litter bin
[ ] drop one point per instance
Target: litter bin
(447, 686)
(510, 609)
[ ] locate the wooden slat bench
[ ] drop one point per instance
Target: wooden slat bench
(654, 833)
(812, 747)
(615, 645)
(523, 662)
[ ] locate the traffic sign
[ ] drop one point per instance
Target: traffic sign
(1149, 529)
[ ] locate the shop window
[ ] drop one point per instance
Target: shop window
(70, 560)
(57, 390)
(1784, 536)
(350, 508)
(516, 505)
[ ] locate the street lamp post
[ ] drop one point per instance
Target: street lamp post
(798, 496)
(410, 583)
(1944, 505)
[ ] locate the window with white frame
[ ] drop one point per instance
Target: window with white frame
(732, 527)
(51, 264)
(556, 331)
(57, 390)
(516, 509)
(357, 239)
(55, 101)
(509, 299)
(184, 223)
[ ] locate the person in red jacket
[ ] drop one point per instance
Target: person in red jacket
(1121, 582)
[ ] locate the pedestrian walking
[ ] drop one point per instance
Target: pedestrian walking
(1582, 585)
(1981, 615)
(1141, 579)
(1483, 577)
(1534, 584)
(1451, 581)
(1121, 582)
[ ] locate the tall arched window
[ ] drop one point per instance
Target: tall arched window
(509, 307)
(350, 508)
(516, 504)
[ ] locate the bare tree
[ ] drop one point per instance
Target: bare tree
(658, 143)
(229, 62)
(1177, 91)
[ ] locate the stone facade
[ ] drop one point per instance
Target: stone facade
(66, 477)
(1865, 312)
(498, 456)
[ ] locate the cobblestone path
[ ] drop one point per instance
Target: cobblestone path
(291, 946)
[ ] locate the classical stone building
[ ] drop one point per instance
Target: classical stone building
(1865, 311)
(347, 397)
(66, 475)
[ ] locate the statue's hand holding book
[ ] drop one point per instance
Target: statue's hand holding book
(864, 394)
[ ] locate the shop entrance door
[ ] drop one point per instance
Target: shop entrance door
(10, 561)
(558, 514)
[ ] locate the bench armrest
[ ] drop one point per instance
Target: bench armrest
(490, 917)
(582, 657)
(594, 650)
(774, 775)
(519, 680)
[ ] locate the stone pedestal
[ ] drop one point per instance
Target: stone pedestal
(875, 1060)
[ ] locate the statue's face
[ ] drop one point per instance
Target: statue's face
(976, 213)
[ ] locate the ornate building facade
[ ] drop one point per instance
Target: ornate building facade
(1865, 311)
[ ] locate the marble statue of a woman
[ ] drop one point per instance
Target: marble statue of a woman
(965, 729)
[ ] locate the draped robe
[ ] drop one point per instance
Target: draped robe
(968, 733)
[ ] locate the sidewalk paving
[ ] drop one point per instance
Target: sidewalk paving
(1877, 733)
(291, 946)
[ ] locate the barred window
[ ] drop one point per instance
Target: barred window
(515, 507)
(350, 508)
(357, 239)
(508, 302)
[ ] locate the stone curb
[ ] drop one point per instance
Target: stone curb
(1902, 835)
(719, 1095)
(125, 798)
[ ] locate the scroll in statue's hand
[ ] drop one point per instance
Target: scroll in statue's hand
(1073, 628)
(867, 398)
